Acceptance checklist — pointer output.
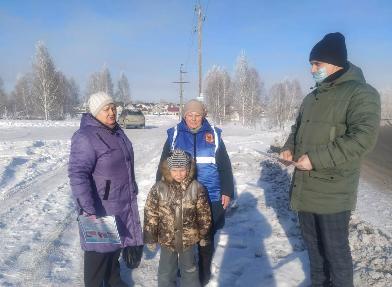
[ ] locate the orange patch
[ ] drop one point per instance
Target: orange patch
(210, 138)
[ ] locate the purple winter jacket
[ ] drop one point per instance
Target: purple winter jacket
(102, 179)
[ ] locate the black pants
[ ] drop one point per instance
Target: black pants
(326, 238)
(206, 252)
(102, 269)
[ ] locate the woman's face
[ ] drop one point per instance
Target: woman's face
(193, 120)
(107, 115)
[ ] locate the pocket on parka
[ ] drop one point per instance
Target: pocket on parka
(331, 176)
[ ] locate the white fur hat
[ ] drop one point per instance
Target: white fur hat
(97, 101)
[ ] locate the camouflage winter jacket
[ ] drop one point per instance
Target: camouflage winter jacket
(176, 215)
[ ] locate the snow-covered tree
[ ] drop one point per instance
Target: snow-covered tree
(386, 104)
(93, 85)
(45, 84)
(3, 99)
(73, 97)
(123, 93)
(247, 88)
(255, 91)
(100, 82)
(241, 80)
(21, 96)
(106, 82)
(217, 91)
(284, 100)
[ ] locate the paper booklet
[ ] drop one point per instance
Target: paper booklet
(99, 230)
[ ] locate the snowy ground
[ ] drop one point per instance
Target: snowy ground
(259, 246)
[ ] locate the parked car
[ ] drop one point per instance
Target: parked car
(131, 119)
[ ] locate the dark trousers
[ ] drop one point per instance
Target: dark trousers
(169, 263)
(102, 269)
(326, 238)
(206, 252)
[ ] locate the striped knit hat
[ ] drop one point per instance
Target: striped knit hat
(178, 158)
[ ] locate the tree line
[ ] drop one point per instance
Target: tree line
(243, 96)
(46, 93)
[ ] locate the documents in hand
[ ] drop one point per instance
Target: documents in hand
(99, 230)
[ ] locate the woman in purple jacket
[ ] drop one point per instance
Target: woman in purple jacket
(102, 177)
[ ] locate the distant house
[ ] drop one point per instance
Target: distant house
(173, 110)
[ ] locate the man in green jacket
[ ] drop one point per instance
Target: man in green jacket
(336, 126)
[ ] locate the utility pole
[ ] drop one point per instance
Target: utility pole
(199, 30)
(181, 90)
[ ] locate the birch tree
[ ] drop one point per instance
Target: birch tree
(123, 93)
(106, 82)
(241, 77)
(100, 82)
(253, 109)
(284, 100)
(22, 97)
(386, 104)
(3, 99)
(45, 83)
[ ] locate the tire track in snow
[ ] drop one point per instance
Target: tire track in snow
(32, 228)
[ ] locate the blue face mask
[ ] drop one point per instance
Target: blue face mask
(320, 75)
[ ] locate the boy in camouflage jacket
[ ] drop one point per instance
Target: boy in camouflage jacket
(177, 216)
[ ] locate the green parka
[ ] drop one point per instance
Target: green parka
(336, 126)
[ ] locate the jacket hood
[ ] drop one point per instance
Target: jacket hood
(169, 179)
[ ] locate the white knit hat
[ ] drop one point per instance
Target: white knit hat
(97, 101)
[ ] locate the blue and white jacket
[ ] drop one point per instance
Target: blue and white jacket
(208, 150)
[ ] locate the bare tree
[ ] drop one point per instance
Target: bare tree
(100, 82)
(386, 104)
(284, 100)
(241, 78)
(3, 99)
(253, 109)
(73, 97)
(45, 83)
(106, 82)
(93, 85)
(213, 90)
(23, 102)
(123, 93)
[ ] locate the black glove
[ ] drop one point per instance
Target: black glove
(132, 255)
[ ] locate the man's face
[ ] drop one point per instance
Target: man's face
(316, 65)
(107, 115)
(178, 173)
(193, 120)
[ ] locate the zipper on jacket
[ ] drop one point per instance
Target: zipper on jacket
(107, 189)
(194, 146)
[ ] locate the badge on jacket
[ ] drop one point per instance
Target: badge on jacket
(209, 138)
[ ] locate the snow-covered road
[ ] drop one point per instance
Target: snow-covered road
(259, 246)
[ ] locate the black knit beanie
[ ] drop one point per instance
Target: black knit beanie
(331, 49)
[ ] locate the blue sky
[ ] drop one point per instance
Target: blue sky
(149, 39)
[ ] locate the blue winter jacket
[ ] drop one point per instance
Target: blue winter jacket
(102, 179)
(207, 148)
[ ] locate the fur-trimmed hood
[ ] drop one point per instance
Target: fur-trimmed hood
(166, 177)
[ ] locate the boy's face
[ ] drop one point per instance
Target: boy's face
(178, 173)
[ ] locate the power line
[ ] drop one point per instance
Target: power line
(181, 82)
